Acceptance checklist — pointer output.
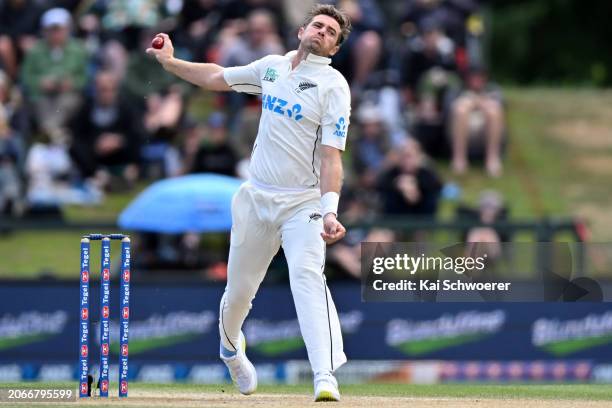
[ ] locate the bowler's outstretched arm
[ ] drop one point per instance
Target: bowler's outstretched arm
(205, 75)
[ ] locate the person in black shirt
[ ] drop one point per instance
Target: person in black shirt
(214, 154)
(106, 133)
(410, 187)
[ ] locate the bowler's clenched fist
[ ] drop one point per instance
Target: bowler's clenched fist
(333, 231)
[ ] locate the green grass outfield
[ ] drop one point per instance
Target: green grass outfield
(583, 392)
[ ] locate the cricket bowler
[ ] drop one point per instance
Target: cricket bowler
(291, 198)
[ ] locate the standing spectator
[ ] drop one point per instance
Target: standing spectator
(54, 73)
(410, 187)
(106, 134)
(479, 98)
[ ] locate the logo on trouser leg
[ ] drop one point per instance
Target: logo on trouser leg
(315, 216)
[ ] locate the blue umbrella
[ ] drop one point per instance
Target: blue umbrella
(194, 203)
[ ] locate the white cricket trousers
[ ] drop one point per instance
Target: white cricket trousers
(263, 220)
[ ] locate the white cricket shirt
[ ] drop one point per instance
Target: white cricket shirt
(301, 109)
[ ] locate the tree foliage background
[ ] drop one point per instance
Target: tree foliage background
(553, 42)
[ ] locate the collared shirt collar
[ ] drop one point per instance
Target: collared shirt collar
(316, 59)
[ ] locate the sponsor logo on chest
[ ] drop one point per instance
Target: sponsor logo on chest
(271, 75)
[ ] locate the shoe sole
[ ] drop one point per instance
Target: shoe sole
(326, 396)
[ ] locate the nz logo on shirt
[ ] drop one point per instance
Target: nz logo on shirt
(340, 127)
(271, 75)
(281, 107)
(304, 85)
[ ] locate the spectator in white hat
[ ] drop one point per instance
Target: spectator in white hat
(54, 72)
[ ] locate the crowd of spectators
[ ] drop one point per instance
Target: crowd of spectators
(84, 111)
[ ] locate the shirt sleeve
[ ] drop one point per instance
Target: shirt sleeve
(337, 112)
(246, 79)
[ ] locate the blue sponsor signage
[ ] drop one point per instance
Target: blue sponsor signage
(178, 324)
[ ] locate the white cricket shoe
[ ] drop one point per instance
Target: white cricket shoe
(241, 369)
(326, 388)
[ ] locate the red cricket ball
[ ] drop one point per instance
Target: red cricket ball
(158, 42)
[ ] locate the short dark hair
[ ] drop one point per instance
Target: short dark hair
(328, 10)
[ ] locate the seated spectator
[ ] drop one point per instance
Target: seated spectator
(431, 49)
(236, 11)
(428, 74)
(54, 73)
(410, 187)
(50, 180)
(106, 135)
(477, 114)
(121, 24)
(260, 39)
(198, 23)
(10, 156)
(18, 28)
(11, 149)
(362, 53)
(491, 209)
(452, 15)
(371, 147)
(157, 93)
(209, 151)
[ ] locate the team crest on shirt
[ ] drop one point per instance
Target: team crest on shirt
(304, 85)
(271, 75)
(340, 127)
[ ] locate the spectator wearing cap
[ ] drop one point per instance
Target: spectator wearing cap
(477, 114)
(209, 150)
(54, 72)
(410, 187)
